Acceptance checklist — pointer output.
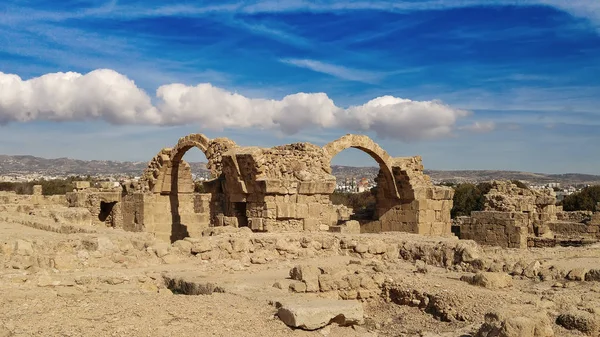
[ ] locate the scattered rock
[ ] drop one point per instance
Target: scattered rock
(421, 267)
(315, 314)
(307, 274)
(593, 275)
(298, 287)
(184, 246)
(513, 325)
(489, 280)
(577, 274)
(201, 246)
(580, 321)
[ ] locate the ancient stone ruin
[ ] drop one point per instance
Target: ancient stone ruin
(517, 217)
(281, 189)
(264, 241)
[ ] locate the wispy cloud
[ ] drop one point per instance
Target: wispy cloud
(336, 70)
(479, 127)
(588, 9)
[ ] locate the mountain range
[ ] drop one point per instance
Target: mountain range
(66, 166)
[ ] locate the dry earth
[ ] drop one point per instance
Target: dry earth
(104, 282)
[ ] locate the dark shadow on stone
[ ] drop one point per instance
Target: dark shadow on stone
(178, 230)
(105, 210)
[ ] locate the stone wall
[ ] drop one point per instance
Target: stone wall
(173, 217)
(104, 206)
(587, 228)
(519, 218)
(511, 214)
(284, 188)
(37, 198)
(504, 229)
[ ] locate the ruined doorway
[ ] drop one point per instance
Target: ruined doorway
(239, 211)
(191, 194)
(105, 215)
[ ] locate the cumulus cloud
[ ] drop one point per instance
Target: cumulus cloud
(100, 94)
(107, 95)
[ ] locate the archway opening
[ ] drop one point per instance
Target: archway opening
(192, 193)
(361, 183)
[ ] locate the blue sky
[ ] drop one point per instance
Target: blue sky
(473, 84)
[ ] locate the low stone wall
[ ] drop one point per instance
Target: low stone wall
(504, 229)
(575, 230)
(577, 216)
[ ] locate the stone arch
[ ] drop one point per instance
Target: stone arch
(367, 145)
(185, 143)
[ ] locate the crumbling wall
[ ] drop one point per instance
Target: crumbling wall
(284, 188)
(287, 188)
(104, 205)
(576, 226)
(511, 214)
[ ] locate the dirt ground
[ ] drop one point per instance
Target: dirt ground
(107, 282)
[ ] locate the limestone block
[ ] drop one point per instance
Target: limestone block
(302, 211)
(314, 210)
(489, 280)
(255, 224)
(317, 313)
(307, 274)
(230, 221)
(286, 210)
(310, 224)
(80, 185)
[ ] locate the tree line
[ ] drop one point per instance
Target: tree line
(49, 186)
(585, 200)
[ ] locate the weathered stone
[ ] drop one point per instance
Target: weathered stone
(23, 247)
(307, 274)
(161, 249)
(512, 325)
(489, 280)
(580, 321)
(201, 246)
(298, 287)
(593, 275)
(577, 274)
(361, 248)
(327, 282)
(532, 270)
(183, 246)
(315, 314)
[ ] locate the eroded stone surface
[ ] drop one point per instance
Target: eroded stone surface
(315, 314)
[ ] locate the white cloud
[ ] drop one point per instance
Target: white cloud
(100, 94)
(479, 127)
(107, 95)
(335, 70)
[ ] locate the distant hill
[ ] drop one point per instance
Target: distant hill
(66, 166)
(476, 175)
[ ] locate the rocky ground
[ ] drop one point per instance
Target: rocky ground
(60, 279)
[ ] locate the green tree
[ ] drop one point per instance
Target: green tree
(469, 198)
(363, 204)
(585, 200)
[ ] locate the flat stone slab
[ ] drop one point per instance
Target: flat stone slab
(312, 314)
